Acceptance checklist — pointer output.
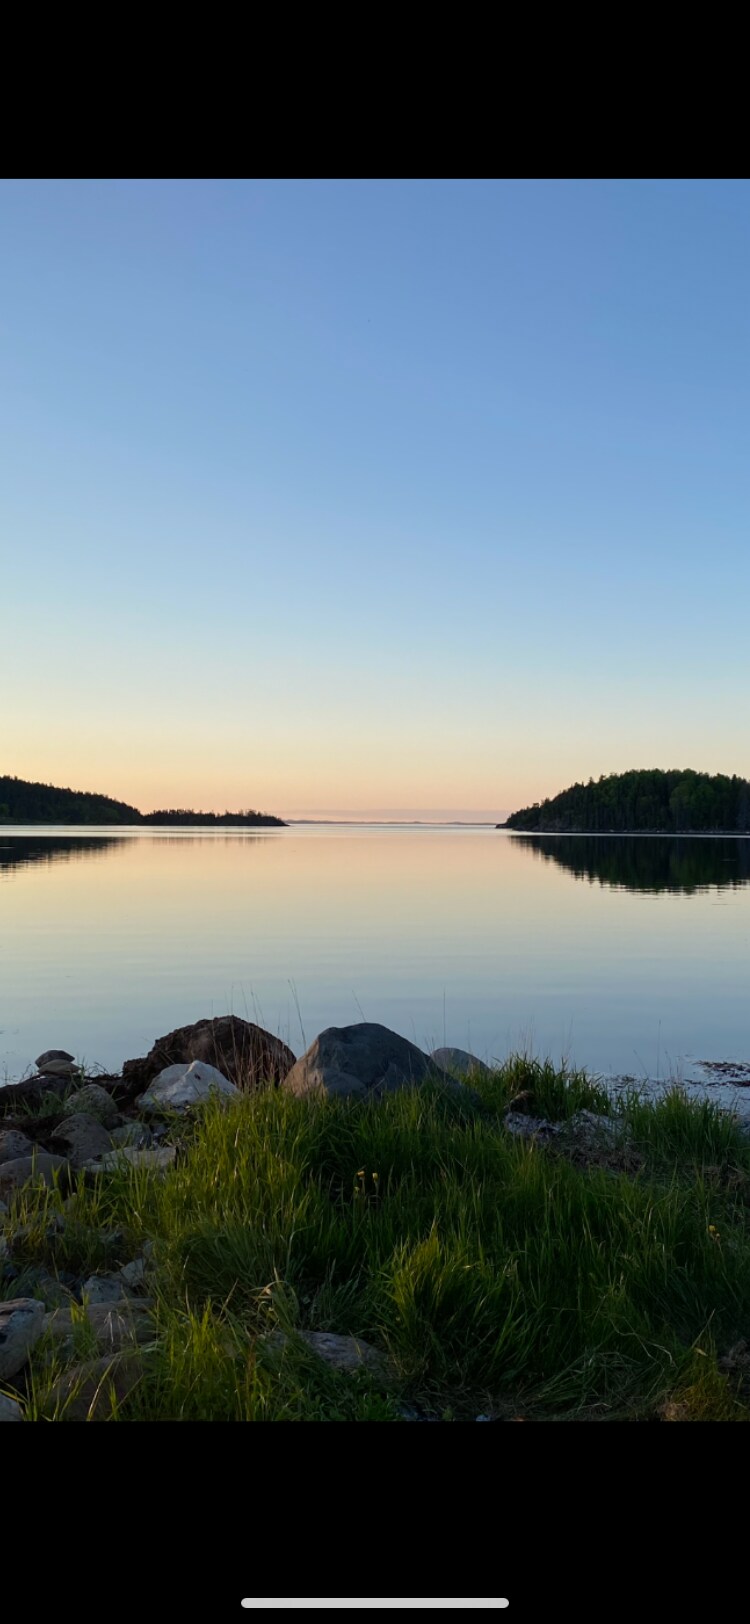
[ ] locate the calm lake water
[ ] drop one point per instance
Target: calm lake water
(628, 955)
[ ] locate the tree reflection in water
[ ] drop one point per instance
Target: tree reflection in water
(23, 850)
(679, 863)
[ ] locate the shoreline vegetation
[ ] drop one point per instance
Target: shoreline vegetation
(651, 801)
(28, 803)
(500, 1242)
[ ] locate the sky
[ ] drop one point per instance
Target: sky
(360, 496)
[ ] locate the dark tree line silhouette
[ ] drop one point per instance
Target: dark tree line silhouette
(25, 802)
(213, 819)
(677, 801)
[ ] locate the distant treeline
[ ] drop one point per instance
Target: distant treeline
(677, 801)
(23, 802)
(245, 818)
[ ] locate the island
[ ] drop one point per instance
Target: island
(649, 801)
(25, 802)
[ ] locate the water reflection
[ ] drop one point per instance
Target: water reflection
(22, 852)
(648, 862)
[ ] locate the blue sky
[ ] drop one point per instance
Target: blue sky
(361, 495)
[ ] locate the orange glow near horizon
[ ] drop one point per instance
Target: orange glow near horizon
(369, 773)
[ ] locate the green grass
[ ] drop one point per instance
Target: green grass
(499, 1277)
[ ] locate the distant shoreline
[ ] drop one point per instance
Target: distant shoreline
(31, 804)
(145, 825)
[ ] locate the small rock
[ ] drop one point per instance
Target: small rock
(93, 1101)
(60, 1071)
(90, 1392)
(82, 1138)
(37, 1169)
(112, 1239)
(178, 1087)
(102, 1288)
(460, 1062)
(348, 1354)
(47, 1288)
(115, 1325)
(55, 1057)
(21, 1324)
(528, 1127)
(132, 1133)
(134, 1273)
(156, 1160)
(14, 1145)
(587, 1128)
(9, 1409)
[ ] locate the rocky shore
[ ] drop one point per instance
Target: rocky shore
(83, 1158)
(60, 1126)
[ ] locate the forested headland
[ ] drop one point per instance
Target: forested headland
(654, 801)
(25, 802)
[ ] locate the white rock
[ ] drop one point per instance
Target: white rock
(21, 1324)
(178, 1087)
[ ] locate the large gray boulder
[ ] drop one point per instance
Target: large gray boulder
(249, 1056)
(21, 1325)
(364, 1060)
